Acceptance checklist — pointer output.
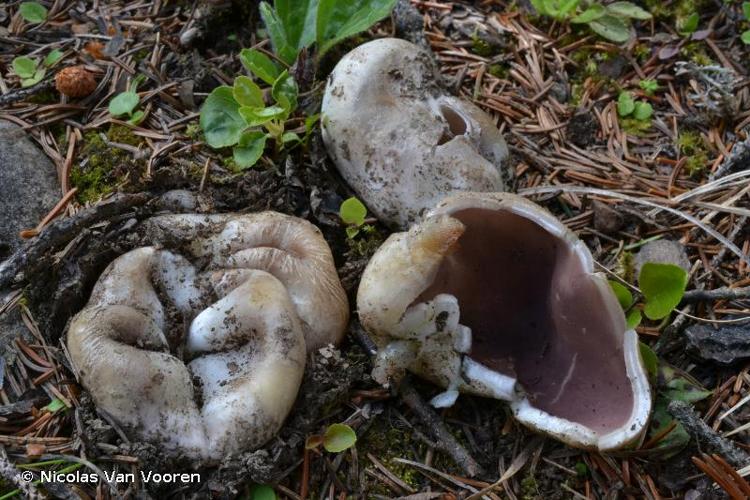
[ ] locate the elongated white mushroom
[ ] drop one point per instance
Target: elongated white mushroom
(490, 294)
(204, 353)
(399, 139)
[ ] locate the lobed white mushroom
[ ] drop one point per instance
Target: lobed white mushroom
(399, 139)
(490, 294)
(203, 351)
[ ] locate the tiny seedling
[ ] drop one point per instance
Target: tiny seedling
(745, 37)
(649, 86)
(337, 438)
(612, 21)
(628, 107)
(33, 12)
(688, 25)
(30, 71)
(662, 287)
(260, 492)
(353, 213)
(124, 103)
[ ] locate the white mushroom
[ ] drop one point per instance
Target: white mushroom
(399, 139)
(492, 295)
(204, 353)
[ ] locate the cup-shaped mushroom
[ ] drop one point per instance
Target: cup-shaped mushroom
(399, 139)
(203, 351)
(491, 295)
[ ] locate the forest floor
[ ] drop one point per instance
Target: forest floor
(617, 182)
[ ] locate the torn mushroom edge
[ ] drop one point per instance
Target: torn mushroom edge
(500, 385)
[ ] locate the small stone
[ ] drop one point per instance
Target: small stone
(725, 345)
(28, 186)
(606, 219)
(662, 252)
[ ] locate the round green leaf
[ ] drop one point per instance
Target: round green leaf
(25, 67)
(663, 286)
(353, 212)
(595, 11)
(255, 116)
(611, 27)
(650, 361)
(633, 319)
(220, 118)
(624, 297)
(36, 78)
(261, 492)
(642, 110)
(246, 92)
(625, 104)
(260, 65)
(33, 12)
(250, 148)
(628, 9)
(52, 57)
(745, 37)
(124, 103)
(339, 437)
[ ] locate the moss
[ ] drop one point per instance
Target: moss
(48, 96)
(696, 52)
(101, 167)
(529, 488)
(625, 266)
(480, 47)
(386, 442)
(693, 146)
(366, 242)
(635, 127)
(499, 70)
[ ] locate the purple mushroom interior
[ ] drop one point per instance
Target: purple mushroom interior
(536, 315)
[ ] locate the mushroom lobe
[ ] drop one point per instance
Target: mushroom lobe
(544, 332)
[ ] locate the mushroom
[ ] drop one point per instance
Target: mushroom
(200, 348)
(399, 139)
(491, 295)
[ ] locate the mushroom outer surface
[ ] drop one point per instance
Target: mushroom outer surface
(491, 295)
(399, 139)
(199, 342)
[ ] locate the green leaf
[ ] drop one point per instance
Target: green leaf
(250, 148)
(261, 492)
(52, 57)
(33, 12)
(285, 92)
(611, 27)
(688, 25)
(633, 319)
(137, 117)
(628, 9)
(290, 25)
(124, 103)
(552, 8)
(746, 9)
(642, 111)
(540, 7)
(277, 34)
(255, 116)
(566, 7)
(25, 67)
(220, 118)
(260, 65)
(650, 361)
(663, 286)
(351, 232)
(353, 212)
(310, 122)
(338, 20)
(595, 11)
(36, 78)
(674, 441)
(649, 86)
(290, 137)
(339, 437)
(624, 297)
(745, 37)
(247, 93)
(681, 389)
(625, 104)
(55, 405)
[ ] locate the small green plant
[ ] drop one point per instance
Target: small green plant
(612, 21)
(628, 106)
(260, 492)
(33, 12)
(337, 438)
(124, 103)
(745, 37)
(353, 213)
(649, 86)
(296, 25)
(694, 148)
(30, 71)
(689, 24)
(662, 287)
